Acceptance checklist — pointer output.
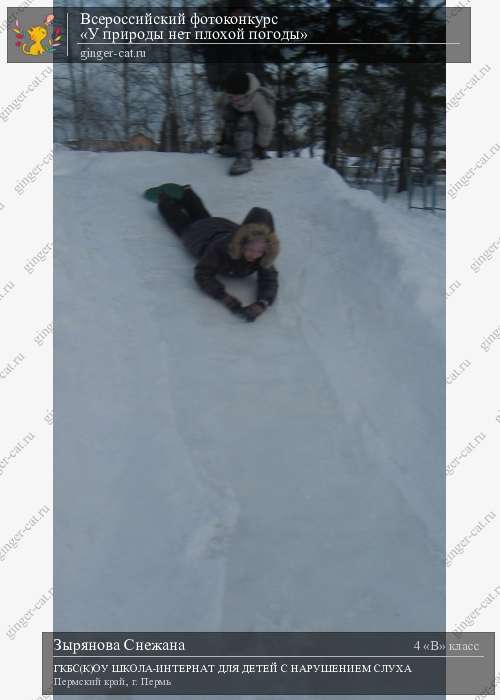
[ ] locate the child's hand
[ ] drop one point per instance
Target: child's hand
(250, 313)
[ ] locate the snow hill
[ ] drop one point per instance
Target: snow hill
(217, 475)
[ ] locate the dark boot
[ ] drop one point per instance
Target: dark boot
(241, 166)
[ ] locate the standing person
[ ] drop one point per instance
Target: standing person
(247, 114)
(225, 248)
(221, 62)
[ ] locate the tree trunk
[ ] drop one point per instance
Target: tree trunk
(82, 111)
(173, 119)
(330, 157)
(407, 128)
(126, 101)
(411, 74)
(197, 144)
(170, 132)
(312, 130)
(332, 120)
(429, 136)
(169, 137)
(280, 135)
(77, 131)
(197, 125)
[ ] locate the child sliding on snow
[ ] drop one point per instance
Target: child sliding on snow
(223, 247)
(247, 113)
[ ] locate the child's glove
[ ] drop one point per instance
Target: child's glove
(261, 153)
(252, 312)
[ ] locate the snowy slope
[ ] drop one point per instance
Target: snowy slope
(217, 475)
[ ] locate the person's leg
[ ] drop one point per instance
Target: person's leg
(173, 214)
(226, 142)
(244, 135)
(244, 139)
(194, 205)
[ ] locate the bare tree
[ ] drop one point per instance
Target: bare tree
(332, 120)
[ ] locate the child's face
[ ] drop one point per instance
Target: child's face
(237, 100)
(254, 250)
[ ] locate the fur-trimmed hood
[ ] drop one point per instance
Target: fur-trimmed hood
(253, 84)
(258, 223)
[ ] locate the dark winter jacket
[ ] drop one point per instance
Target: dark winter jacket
(258, 101)
(218, 243)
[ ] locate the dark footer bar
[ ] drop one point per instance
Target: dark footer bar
(268, 663)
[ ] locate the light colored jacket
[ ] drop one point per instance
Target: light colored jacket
(260, 101)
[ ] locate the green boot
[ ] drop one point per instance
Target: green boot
(172, 190)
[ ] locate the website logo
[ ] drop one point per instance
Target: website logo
(38, 39)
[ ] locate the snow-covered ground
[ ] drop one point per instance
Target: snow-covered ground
(216, 475)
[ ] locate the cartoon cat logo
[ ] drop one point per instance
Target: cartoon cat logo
(38, 35)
